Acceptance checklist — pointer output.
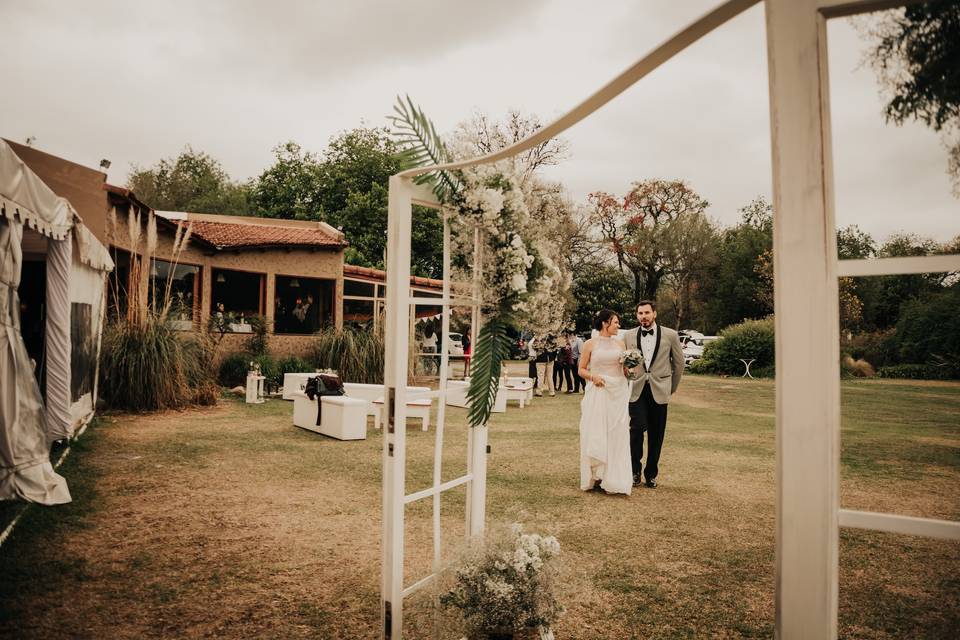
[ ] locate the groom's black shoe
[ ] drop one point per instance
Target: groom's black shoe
(637, 480)
(652, 483)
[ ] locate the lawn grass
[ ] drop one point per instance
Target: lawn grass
(229, 522)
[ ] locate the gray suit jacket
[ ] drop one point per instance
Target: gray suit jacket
(665, 370)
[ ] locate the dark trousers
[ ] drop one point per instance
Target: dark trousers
(561, 372)
(647, 415)
(532, 372)
(578, 382)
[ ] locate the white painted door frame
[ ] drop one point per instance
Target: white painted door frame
(807, 322)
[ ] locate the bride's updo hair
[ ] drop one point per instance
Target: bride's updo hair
(602, 317)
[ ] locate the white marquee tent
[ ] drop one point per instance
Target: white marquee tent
(35, 222)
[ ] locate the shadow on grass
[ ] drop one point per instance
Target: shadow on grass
(29, 561)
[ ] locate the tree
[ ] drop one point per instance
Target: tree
(928, 330)
(639, 229)
(691, 248)
(601, 287)
(489, 136)
(883, 310)
(741, 286)
(193, 181)
(916, 54)
(291, 187)
(347, 187)
(852, 243)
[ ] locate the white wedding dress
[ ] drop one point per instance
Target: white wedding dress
(605, 422)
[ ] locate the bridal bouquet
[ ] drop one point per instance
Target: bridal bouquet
(631, 359)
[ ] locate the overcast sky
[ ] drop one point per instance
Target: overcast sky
(136, 81)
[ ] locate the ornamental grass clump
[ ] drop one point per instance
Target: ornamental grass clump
(506, 587)
(357, 356)
(142, 367)
(144, 364)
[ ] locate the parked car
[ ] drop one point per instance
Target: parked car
(694, 345)
(456, 344)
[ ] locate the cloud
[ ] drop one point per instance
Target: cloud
(136, 81)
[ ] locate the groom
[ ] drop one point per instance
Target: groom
(661, 370)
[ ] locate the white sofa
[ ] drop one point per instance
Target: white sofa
(341, 417)
(373, 393)
(520, 389)
(457, 395)
(295, 383)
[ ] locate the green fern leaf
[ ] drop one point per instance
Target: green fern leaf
(421, 145)
(492, 348)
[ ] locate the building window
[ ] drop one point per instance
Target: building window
(358, 313)
(303, 305)
(119, 281)
(184, 281)
(358, 288)
(240, 293)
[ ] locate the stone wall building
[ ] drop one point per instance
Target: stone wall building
(290, 272)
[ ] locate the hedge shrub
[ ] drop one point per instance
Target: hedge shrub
(920, 372)
(233, 369)
(750, 339)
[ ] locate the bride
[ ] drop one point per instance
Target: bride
(604, 421)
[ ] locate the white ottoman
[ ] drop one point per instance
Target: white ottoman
(457, 396)
(521, 390)
(342, 418)
(418, 408)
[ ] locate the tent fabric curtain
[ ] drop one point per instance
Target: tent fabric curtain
(89, 250)
(25, 468)
(24, 197)
(59, 263)
(87, 306)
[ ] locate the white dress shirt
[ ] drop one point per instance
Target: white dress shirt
(647, 344)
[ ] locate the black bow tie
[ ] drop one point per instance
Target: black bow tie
(646, 332)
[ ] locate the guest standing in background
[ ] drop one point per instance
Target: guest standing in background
(576, 347)
(561, 369)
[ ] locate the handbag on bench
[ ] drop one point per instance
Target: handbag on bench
(323, 385)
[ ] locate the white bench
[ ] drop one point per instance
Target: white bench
(373, 393)
(341, 417)
(521, 390)
(457, 395)
(416, 408)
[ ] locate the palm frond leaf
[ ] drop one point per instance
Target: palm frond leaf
(421, 145)
(493, 347)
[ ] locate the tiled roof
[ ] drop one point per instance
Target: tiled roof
(241, 235)
(381, 276)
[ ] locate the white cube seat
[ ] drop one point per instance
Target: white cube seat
(416, 408)
(341, 417)
(457, 395)
(520, 389)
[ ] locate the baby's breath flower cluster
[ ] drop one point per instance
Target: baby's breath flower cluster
(493, 202)
(508, 586)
